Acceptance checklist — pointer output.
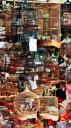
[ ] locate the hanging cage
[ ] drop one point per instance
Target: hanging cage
(68, 79)
(26, 105)
(49, 107)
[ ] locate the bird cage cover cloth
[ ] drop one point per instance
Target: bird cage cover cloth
(26, 105)
(49, 107)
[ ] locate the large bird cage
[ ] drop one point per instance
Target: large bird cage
(66, 49)
(68, 82)
(68, 75)
(24, 22)
(49, 107)
(26, 105)
(65, 18)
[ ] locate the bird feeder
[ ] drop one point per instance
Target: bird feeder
(49, 107)
(26, 105)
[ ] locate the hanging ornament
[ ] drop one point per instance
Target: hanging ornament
(26, 105)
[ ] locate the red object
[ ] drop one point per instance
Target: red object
(60, 99)
(50, 122)
(13, 68)
(64, 117)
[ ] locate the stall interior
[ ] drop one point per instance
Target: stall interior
(34, 55)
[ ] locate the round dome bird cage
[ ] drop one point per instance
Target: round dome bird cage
(68, 79)
(49, 107)
(26, 105)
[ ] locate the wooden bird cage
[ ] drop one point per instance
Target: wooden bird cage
(26, 105)
(68, 74)
(49, 107)
(51, 72)
(54, 69)
(65, 18)
(68, 81)
(48, 20)
(66, 49)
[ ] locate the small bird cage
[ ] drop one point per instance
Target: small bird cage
(68, 79)
(26, 105)
(68, 50)
(49, 107)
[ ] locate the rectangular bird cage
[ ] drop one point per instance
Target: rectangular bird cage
(24, 21)
(49, 107)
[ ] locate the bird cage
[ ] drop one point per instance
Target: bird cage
(68, 50)
(65, 18)
(53, 74)
(68, 79)
(24, 22)
(49, 107)
(26, 105)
